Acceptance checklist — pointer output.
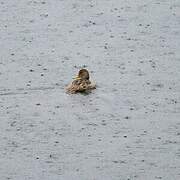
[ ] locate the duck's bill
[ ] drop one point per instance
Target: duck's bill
(77, 78)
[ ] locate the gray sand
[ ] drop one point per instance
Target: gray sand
(126, 129)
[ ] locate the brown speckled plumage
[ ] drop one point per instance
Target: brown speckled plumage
(81, 83)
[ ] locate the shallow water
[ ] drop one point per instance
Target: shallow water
(128, 128)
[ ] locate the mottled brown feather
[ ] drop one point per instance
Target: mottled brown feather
(81, 84)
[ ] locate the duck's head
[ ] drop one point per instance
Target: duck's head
(82, 75)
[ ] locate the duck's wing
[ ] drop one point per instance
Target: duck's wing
(83, 86)
(76, 86)
(71, 88)
(80, 86)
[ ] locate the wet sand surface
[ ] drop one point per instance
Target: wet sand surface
(126, 129)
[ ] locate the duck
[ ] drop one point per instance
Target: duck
(81, 83)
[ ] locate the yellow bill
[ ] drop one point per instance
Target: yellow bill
(77, 78)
